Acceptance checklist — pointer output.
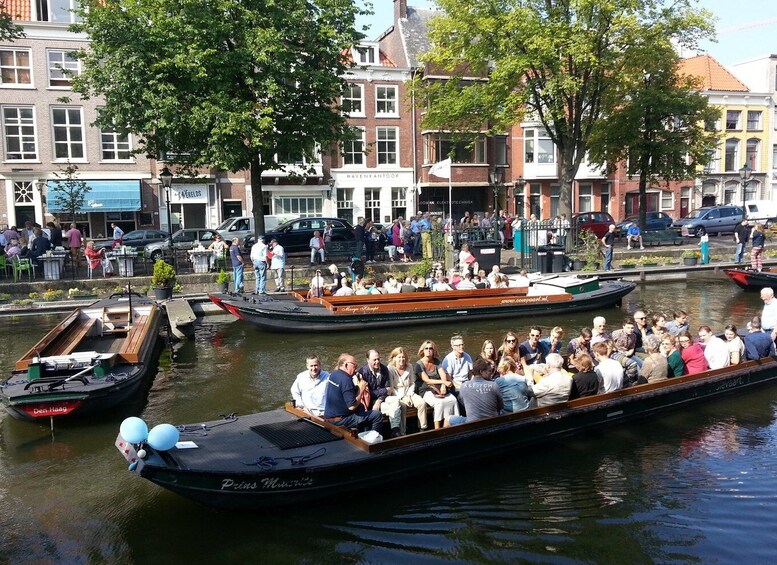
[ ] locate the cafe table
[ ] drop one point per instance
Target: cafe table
(53, 265)
(125, 261)
(200, 259)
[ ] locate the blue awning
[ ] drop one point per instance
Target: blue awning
(103, 196)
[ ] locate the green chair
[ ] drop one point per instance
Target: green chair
(4, 265)
(20, 266)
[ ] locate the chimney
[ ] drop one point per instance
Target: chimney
(400, 10)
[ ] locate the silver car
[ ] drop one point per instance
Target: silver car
(184, 239)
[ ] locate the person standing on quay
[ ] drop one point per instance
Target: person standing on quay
(756, 253)
(278, 265)
(609, 242)
(74, 243)
(118, 235)
(238, 263)
(741, 237)
(259, 261)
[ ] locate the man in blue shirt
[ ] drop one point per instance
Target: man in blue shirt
(238, 263)
(415, 227)
(634, 234)
(757, 343)
(343, 407)
(425, 224)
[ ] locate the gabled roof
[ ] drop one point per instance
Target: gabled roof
(415, 33)
(18, 9)
(713, 75)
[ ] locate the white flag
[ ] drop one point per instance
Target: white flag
(442, 169)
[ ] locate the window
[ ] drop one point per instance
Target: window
(114, 146)
(353, 151)
(23, 192)
(441, 146)
(19, 133)
(304, 206)
(774, 156)
(386, 100)
(398, 202)
(555, 197)
(585, 197)
(372, 204)
(754, 120)
(729, 192)
(714, 161)
(303, 154)
(528, 146)
(500, 150)
(605, 197)
(546, 151)
(732, 120)
(59, 11)
(68, 126)
(15, 66)
(353, 100)
(365, 55)
(62, 64)
(751, 153)
(535, 198)
(345, 204)
(387, 146)
(752, 189)
(667, 200)
(732, 155)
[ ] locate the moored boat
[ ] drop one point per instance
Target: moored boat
(749, 279)
(292, 312)
(94, 359)
(285, 457)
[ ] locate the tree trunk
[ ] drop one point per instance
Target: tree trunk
(257, 197)
(567, 178)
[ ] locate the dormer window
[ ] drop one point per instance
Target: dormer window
(366, 54)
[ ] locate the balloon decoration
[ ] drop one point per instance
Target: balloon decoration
(134, 430)
(163, 437)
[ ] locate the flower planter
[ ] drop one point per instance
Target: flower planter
(690, 261)
(224, 287)
(649, 265)
(82, 296)
(165, 293)
(577, 265)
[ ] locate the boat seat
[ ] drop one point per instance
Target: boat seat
(73, 338)
(130, 348)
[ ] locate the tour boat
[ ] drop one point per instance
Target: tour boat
(287, 457)
(750, 279)
(94, 359)
(293, 312)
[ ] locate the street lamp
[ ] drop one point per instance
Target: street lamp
(520, 183)
(166, 178)
(332, 183)
(495, 176)
(744, 174)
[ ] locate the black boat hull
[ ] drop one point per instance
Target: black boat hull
(214, 479)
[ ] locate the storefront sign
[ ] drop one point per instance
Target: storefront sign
(189, 194)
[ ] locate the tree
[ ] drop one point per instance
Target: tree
(555, 61)
(71, 191)
(659, 129)
(8, 30)
(226, 84)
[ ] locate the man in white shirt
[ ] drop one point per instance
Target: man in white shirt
(609, 370)
(458, 363)
(259, 260)
(715, 349)
(309, 388)
(555, 386)
(118, 234)
(769, 313)
(466, 283)
(278, 264)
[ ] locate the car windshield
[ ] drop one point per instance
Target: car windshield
(225, 224)
(695, 214)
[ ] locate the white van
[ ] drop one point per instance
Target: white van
(761, 212)
(242, 226)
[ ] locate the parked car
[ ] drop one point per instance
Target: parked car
(182, 239)
(711, 219)
(136, 239)
(243, 226)
(295, 235)
(597, 222)
(654, 221)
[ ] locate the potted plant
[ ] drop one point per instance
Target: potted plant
(627, 263)
(588, 251)
(163, 280)
(222, 279)
(690, 257)
(646, 261)
(4, 297)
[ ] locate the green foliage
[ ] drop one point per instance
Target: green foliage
(8, 30)
(690, 254)
(227, 84)
(4, 296)
(223, 277)
(589, 248)
(422, 268)
(71, 189)
(23, 301)
(164, 275)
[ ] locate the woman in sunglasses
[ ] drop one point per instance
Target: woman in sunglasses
(433, 384)
(509, 348)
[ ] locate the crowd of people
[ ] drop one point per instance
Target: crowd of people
(515, 374)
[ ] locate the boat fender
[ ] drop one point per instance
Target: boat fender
(142, 453)
(132, 466)
(163, 437)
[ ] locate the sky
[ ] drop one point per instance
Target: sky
(747, 29)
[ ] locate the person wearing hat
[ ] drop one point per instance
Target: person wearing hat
(278, 265)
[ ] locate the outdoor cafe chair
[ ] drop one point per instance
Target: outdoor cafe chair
(20, 266)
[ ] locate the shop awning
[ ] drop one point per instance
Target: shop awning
(103, 196)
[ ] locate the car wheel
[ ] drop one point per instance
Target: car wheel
(156, 255)
(700, 231)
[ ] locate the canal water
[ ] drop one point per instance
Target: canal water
(697, 485)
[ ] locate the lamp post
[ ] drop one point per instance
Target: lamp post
(744, 175)
(495, 176)
(166, 178)
(332, 183)
(520, 183)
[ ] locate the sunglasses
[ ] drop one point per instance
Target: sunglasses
(510, 341)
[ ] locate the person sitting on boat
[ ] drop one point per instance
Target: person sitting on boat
(381, 394)
(345, 289)
(521, 280)
(556, 385)
(630, 367)
(455, 279)
(736, 347)
(402, 383)
(493, 276)
(532, 351)
(674, 360)
(553, 343)
(337, 279)
(309, 388)
(581, 344)
(361, 288)
(316, 245)
(609, 370)
(625, 341)
(96, 257)
(655, 367)
(433, 384)
(678, 324)
(488, 351)
(342, 406)
(585, 382)
(317, 286)
(509, 348)
(466, 283)
(658, 321)
(599, 330)
(769, 312)
(715, 349)
(516, 389)
(478, 282)
(442, 285)
(692, 354)
(392, 285)
(641, 330)
(482, 397)
(467, 261)
(458, 365)
(758, 343)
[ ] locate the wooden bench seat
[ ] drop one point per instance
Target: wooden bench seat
(130, 348)
(72, 338)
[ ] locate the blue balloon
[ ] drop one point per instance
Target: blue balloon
(134, 430)
(163, 437)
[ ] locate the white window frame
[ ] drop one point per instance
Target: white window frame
(390, 101)
(666, 201)
(731, 165)
(348, 96)
(16, 68)
(300, 206)
(110, 141)
(67, 63)
(752, 152)
(585, 197)
(67, 15)
(385, 137)
(398, 201)
(354, 150)
(69, 129)
(372, 203)
(757, 123)
(365, 54)
(736, 125)
(20, 124)
(774, 156)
